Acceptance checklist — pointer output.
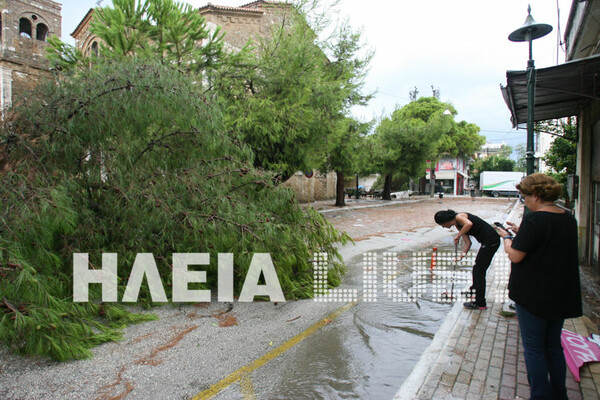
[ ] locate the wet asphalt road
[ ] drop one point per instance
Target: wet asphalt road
(262, 350)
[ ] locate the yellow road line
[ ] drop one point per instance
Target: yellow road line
(247, 388)
(249, 368)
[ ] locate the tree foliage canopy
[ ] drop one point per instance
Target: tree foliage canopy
(171, 31)
(131, 157)
(285, 93)
(562, 156)
(460, 139)
(422, 130)
(492, 163)
(289, 97)
(404, 142)
(463, 140)
(164, 28)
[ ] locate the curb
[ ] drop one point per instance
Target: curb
(391, 203)
(415, 380)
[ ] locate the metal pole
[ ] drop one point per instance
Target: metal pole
(530, 112)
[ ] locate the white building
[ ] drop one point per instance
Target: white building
(542, 145)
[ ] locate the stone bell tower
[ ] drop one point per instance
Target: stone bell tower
(25, 27)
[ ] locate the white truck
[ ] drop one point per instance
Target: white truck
(500, 183)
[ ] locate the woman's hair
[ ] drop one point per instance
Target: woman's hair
(444, 216)
(540, 185)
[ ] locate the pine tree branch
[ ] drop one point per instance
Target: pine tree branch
(128, 86)
(243, 227)
(157, 142)
(9, 305)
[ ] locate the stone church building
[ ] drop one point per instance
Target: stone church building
(240, 24)
(26, 24)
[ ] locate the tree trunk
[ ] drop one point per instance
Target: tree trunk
(387, 188)
(339, 192)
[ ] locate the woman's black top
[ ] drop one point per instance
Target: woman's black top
(481, 230)
(546, 281)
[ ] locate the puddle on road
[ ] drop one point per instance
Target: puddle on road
(369, 351)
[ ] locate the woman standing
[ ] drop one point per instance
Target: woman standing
(544, 282)
(471, 225)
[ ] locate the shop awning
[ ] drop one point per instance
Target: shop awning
(560, 91)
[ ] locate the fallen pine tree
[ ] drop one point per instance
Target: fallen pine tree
(130, 157)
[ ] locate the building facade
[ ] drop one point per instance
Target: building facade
(250, 21)
(85, 41)
(543, 142)
(240, 24)
(489, 149)
(451, 173)
(583, 30)
(26, 26)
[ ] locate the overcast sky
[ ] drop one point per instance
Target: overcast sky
(460, 47)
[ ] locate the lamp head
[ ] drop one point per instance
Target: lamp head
(530, 30)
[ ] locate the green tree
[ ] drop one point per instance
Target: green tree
(275, 104)
(424, 108)
(294, 93)
(347, 154)
(346, 69)
(462, 140)
(403, 144)
(562, 156)
(505, 151)
(491, 163)
(455, 139)
(164, 29)
(285, 98)
(132, 157)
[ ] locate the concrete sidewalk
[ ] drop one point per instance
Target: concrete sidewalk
(479, 355)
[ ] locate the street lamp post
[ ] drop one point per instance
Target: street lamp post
(530, 31)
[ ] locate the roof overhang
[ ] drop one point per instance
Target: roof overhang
(85, 21)
(560, 91)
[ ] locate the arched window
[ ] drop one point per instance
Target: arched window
(25, 28)
(94, 49)
(41, 32)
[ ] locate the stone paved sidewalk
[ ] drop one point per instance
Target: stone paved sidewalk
(479, 355)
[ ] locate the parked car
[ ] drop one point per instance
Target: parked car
(405, 194)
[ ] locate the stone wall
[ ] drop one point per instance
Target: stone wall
(240, 24)
(318, 187)
(82, 35)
